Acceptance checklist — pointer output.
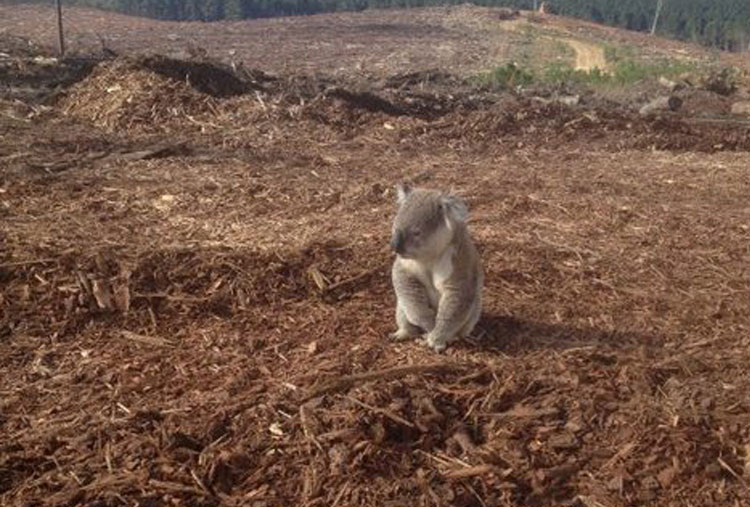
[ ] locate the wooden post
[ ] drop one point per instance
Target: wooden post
(61, 39)
(656, 16)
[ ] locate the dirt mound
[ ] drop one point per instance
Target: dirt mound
(211, 78)
(516, 122)
(123, 94)
(697, 102)
(422, 79)
(127, 94)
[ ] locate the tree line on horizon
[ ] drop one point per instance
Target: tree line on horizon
(723, 24)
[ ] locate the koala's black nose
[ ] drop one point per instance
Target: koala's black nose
(397, 242)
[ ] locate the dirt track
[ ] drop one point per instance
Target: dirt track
(588, 56)
(195, 297)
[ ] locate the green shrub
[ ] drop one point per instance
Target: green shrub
(559, 73)
(632, 71)
(505, 77)
(623, 71)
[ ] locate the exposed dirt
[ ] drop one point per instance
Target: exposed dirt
(459, 40)
(195, 294)
(588, 56)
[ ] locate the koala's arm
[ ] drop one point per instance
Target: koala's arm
(413, 298)
(455, 303)
(458, 295)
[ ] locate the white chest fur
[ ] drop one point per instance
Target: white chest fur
(433, 274)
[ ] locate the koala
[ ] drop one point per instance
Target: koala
(437, 274)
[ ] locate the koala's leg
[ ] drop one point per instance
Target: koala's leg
(471, 322)
(414, 313)
(452, 316)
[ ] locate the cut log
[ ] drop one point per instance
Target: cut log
(506, 13)
(741, 108)
(670, 85)
(661, 104)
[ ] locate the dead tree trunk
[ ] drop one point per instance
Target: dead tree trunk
(60, 38)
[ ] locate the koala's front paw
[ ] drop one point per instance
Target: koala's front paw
(400, 335)
(436, 343)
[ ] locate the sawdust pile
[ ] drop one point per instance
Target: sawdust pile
(160, 95)
(122, 94)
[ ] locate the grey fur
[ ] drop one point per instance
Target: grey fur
(437, 274)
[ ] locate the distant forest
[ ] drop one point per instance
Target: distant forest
(723, 24)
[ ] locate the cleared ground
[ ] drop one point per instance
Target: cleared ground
(195, 287)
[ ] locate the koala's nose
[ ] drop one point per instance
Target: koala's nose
(397, 242)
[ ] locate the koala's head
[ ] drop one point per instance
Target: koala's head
(425, 221)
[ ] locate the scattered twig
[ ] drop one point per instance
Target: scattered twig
(390, 415)
(16, 264)
(180, 299)
(702, 343)
(524, 412)
(340, 494)
(306, 428)
(364, 274)
(623, 452)
(199, 482)
(731, 471)
(473, 471)
(14, 156)
(177, 487)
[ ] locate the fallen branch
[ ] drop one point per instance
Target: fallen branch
(668, 103)
(347, 381)
(148, 340)
(161, 295)
(154, 152)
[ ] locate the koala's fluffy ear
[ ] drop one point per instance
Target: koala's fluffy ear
(454, 208)
(402, 191)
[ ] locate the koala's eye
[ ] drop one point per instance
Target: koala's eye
(416, 233)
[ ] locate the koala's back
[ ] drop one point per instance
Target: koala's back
(467, 266)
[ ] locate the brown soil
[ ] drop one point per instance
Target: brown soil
(195, 296)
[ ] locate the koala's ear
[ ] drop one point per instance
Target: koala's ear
(454, 208)
(402, 191)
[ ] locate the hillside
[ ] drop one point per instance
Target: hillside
(462, 40)
(195, 292)
(713, 23)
